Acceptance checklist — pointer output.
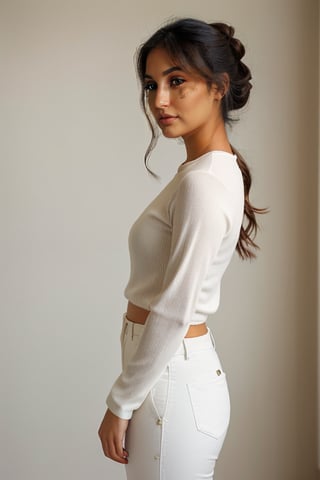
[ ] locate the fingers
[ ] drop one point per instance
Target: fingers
(112, 433)
(114, 450)
(120, 451)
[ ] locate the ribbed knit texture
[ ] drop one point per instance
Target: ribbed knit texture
(179, 248)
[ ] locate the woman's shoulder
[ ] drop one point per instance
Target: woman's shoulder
(213, 170)
(212, 161)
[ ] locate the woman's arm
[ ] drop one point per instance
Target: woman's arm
(199, 224)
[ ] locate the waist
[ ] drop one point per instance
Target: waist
(139, 315)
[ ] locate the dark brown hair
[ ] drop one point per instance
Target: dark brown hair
(212, 51)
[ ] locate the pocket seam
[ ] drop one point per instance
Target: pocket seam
(224, 408)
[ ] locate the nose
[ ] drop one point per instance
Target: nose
(162, 98)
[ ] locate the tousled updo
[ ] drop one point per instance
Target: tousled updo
(212, 51)
(209, 49)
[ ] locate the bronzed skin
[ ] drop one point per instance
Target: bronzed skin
(184, 106)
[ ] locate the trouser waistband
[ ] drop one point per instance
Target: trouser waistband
(187, 346)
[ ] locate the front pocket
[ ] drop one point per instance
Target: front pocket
(211, 404)
(123, 330)
(123, 338)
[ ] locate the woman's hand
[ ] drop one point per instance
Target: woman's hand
(112, 433)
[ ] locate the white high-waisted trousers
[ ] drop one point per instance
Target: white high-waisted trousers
(179, 430)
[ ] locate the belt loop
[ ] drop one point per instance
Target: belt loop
(186, 353)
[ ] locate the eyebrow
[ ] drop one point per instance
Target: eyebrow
(166, 72)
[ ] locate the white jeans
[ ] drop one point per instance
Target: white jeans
(179, 430)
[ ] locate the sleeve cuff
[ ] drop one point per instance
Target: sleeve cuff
(120, 412)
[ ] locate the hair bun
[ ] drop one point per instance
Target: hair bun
(226, 30)
(236, 46)
(240, 77)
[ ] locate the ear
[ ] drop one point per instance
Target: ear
(221, 86)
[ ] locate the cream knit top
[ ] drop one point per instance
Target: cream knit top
(180, 247)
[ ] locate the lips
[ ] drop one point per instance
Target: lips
(167, 119)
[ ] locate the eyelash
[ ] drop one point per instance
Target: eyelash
(174, 82)
(149, 87)
(179, 81)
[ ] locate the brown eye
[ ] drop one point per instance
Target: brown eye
(149, 87)
(176, 81)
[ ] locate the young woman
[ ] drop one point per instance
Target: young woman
(169, 409)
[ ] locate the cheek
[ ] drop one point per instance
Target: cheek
(150, 104)
(187, 92)
(195, 95)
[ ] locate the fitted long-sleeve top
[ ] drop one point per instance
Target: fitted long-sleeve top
(180, 247)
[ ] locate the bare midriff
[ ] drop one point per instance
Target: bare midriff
(137, 314)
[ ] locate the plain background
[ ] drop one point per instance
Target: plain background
(72, 181)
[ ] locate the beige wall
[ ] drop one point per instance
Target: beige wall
(72, 181)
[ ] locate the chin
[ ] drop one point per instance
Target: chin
(170, 134)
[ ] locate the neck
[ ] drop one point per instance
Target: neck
(211, 137)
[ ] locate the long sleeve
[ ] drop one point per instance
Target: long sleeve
(202, 242)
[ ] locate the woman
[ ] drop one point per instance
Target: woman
(169, 409)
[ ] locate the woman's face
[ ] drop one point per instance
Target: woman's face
(180, 101)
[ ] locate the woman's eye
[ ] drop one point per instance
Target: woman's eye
(176, 81)
(149, 87)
